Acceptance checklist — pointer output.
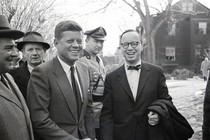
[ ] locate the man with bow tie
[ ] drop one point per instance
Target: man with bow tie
(129, 90)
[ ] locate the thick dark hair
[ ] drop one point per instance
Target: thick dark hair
(68, 25)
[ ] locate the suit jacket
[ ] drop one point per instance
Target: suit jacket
(15, 123)
(21, 76)
(122, 118)
(52, 103)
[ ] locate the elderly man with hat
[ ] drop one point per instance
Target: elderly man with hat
(94, 45)
(15, 123)
(33, 48)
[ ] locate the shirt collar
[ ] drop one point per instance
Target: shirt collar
(88, 56)
(30, 68)
(126, 64)
(65, 66)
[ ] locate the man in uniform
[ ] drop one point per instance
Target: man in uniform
(94, 45)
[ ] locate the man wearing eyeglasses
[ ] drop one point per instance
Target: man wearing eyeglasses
(129, 90)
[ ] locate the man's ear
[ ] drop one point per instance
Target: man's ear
(86, 40)
(55, 41)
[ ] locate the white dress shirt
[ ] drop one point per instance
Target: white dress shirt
(30, 68)
(67, 70)
(133, 77)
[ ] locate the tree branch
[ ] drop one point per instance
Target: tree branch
(103, 8)
(139, 10)
(133, 7)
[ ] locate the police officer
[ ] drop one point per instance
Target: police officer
(94, 45)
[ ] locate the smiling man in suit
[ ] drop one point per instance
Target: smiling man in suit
(15, 123)
(129, 90)
(58, 91)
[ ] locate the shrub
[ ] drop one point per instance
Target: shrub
(168, 76)
(182, 74)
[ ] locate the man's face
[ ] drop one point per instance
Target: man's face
(70, 46)
(33, 53)
(131, 47)
(94, 46)
(8, 52)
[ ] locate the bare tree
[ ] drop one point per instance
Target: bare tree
(31, 15)
(149, 22)
(26, 15)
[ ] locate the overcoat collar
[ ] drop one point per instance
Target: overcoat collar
(17, 99)
(7, 94)
(23, 74)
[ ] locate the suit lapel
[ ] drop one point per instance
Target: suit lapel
(83, 77)
(65, 87)
(145, 73)
(122, 78)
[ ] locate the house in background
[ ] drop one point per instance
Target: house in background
(180, 41)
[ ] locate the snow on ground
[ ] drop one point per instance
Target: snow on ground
(188, 98)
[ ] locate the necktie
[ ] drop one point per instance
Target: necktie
(137, 67)
(76, 90)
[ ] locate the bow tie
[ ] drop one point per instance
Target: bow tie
(137, 67)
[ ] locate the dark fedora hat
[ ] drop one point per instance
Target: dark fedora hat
(6, 31)
(32, 37)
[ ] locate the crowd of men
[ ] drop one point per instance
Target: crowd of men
(70, 97)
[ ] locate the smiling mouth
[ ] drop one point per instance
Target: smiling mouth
(35, 58)
(130, 53)
(75, 51)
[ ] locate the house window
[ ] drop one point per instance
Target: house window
(184, 6)
(202, 27)
(197, 50)
(187, 6)
(170, 54)
(172, 29)
(190, 6)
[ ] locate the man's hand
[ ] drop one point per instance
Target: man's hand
(153, 118)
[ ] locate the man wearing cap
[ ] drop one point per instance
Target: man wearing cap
(15, 123)
(33, 48)
(94, 45)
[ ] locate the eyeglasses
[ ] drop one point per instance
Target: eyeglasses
(133, 44)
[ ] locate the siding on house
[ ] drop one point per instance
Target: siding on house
(180, 43)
